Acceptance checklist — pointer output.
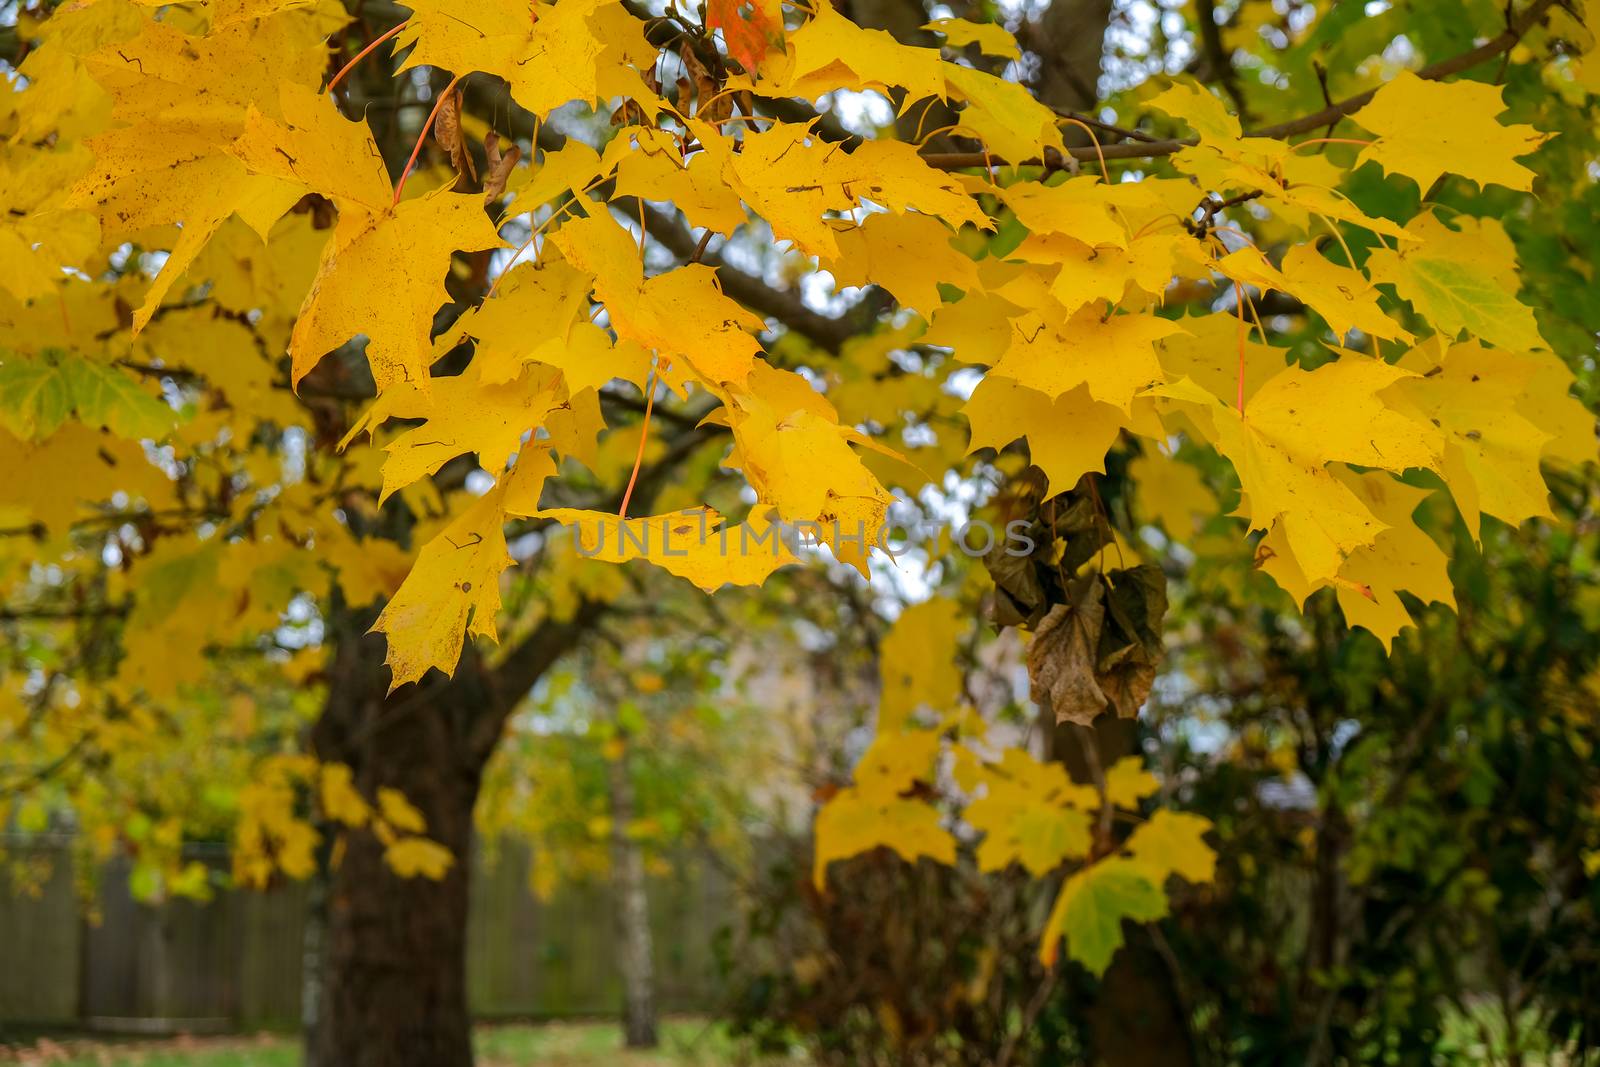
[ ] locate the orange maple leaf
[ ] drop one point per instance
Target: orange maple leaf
(748, 29)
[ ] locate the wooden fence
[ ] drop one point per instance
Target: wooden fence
(235, 963)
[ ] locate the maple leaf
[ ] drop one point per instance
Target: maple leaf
(1091, 906)
(749, 28)
(1002, 114)
(872, 813)
(801, 460)
(1171, 843)
(1171, 492)
(1342, 296)
(1085, 274)
(1068, 436)
(410, 857)
(552, 293)
(1491, 454)
(1400, 557)
(53, 480)
(910, 255)
(913, 669)
(1427, 128)
(1030, 813)
(831, 52)
(1127, 783)
(550, 53)
(465, 415)
(1112, 355)
(1289, 431)
(1461, 278)
(453, 590)
(697, 545)
(570, 168)
(381, 276)
(792, 179)
(181, 99)
(991, 38)
(656, 170)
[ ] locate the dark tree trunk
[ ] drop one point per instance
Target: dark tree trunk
(1138, 1017)
(393, 991)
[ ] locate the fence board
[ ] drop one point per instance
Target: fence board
(236, 961)
(40, 941)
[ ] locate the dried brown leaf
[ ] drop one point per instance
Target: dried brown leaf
(447, 131)
(499, 167)
(1061, 659)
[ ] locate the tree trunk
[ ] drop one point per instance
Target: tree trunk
(634, 952)
(394, 986)
(394, 989)
(1138, 1016)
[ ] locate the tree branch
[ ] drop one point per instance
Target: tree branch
(824, 331)
(1506, 41)
(1217, 56)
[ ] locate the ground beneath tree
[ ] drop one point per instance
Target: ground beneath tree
(685, 1043)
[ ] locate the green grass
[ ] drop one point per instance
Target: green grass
(684, 1043)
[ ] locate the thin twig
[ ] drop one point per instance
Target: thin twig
(1304, 124)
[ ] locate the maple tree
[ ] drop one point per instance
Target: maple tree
(294, 379)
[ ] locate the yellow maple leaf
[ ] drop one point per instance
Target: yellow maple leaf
(382, 276)
(915, 667)
(340, 800)
(453, 589)
(309, 143)
(1171, 492)
(910, 255)
(656, 170)
(1068, 436)
(465, 414)
(873, 812)
(830, 52)
(1294, 425)
(801, 461)
(550, 53)
(1171, 842)
(1427, 128)
(1205, 113)
(1085, 274)
(551, 293)
(1127, 783)
(1029, 813)
(991, 38)
(1002, 114)
(682, 314)
(1402, 556)
(1341, 295)
(1491, 452)
(1113, 355)
(793, 179)
(1079, 208)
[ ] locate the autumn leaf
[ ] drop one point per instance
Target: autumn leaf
(1461, 277)
(1427, 128)
(749, 28)
(1091, 907)
(382, 277)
